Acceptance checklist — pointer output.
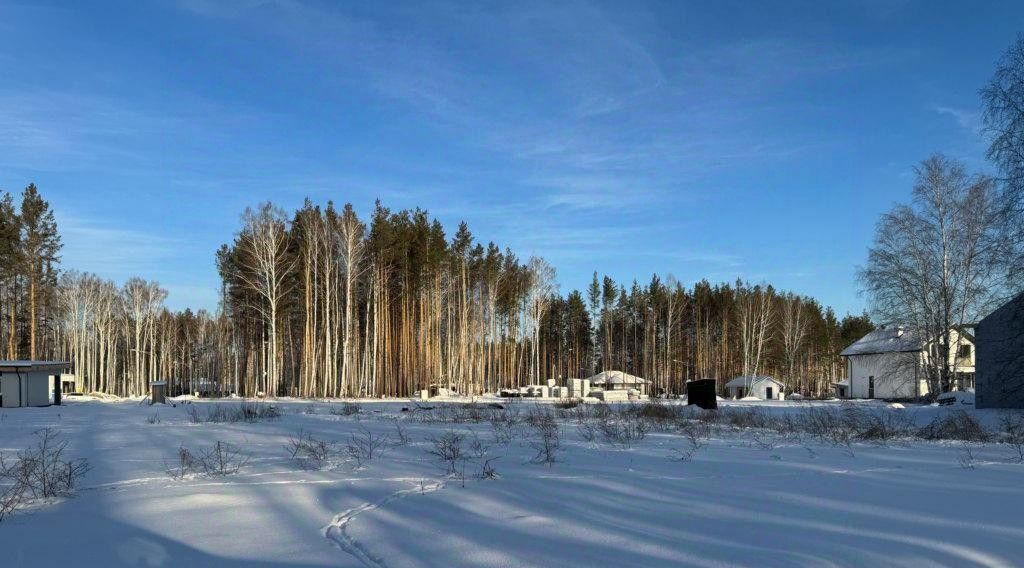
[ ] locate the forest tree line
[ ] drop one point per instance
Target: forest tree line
(319, 303)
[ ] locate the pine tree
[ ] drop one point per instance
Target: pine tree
(40, 245)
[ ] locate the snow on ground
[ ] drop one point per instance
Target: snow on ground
(743, 500)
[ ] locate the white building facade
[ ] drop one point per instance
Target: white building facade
(890, 363)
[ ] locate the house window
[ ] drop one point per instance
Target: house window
(965, 351)
(965, 380)
(871, 387)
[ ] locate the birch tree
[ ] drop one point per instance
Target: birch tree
(264, 266)
(941, 261)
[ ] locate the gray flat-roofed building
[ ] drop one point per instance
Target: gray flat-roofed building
(29, 383)
(1000, 364)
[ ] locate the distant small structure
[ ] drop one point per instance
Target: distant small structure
(762, 387)
(1000, 364)
(204, 387)
(30, 383)
(158, 392)
(619, 381)
(577, 388)
(69, 383)
(702, 392)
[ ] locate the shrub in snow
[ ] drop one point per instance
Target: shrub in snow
(38, 472)
(656, 411)
(245, 412)
(448, 450)
(218, 460)
(697, 434)
(504, 425)
(310, 452)
(548, 443)
(966, 456)
(884, 427)
(401, 434)
(624, 428)
(487, 470)
(222, 459)
(1013, 434)
(363, 446)
(957, 425)
(349, 409)
(587, 431)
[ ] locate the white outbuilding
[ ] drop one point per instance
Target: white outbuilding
(619, 380)
(762, 387)
(30, 383)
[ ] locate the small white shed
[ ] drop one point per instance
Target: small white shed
(762, 387)
(29, 383)
(619, 380)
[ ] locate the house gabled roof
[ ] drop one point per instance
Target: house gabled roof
(616, 378)
(751, 381)
(885, 340)
(896, 340)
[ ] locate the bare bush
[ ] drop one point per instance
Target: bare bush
(186, 464)
(246, 412)
(747, 418)
(153, 419)
(829, 425)
(966, 456)
(958, 425)
(655, 411)
(255, 412)
(448, 450)
(477, 449)
(401, 434)
(222, 459)
(504, 425)
(1013, 434)
(218, 460)
(548, 444)
(346, 409)
(883, 428)
(364, 446)
(625, 429)
(487, 470)
(697, 434)
(763, 440)
(310, 452)
(40, 471)
(587, 431)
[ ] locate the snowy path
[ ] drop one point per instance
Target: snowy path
(337, 531)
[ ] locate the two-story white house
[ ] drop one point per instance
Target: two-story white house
(890, 363)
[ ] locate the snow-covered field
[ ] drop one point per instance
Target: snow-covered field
(746, 498)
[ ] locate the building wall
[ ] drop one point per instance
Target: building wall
(1000, 361)
(26, 389)
(10, 387)
(897, 375)
(37, 388)
(760, 391)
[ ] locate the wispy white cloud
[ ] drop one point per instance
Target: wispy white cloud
(113, 251)
(969, 120)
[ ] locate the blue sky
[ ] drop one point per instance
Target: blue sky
(714, 139)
